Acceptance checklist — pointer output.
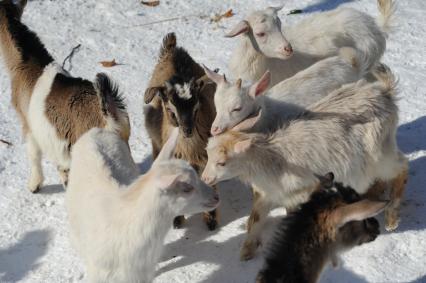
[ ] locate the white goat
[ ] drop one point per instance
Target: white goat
(119, 219)
(264, 47)
(351, 132)
(235, 103)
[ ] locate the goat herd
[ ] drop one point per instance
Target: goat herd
(321, 102)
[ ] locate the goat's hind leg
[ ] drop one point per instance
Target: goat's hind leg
(34, 155)
(63, 173)
(392, 211)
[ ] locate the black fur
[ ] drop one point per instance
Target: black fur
(109, 93)
(282, 261)
(27, 42)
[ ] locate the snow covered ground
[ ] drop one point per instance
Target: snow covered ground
(34, 245)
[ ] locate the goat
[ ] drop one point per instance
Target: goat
(264, 47)
(179, 95)
(334, 220)
(118, 218)
(234, 103)
(351, 132)
(55, 109)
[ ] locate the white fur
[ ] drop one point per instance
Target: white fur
(289, 97)
(119, 219)
(184, 91)
(316, 37)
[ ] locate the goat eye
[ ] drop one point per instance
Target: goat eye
(188, 189)
(221, 164)
(260, 34)
(236, 109)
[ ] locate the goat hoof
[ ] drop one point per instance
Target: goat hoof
(211, 224)
(178, 222)
(391, 220)
(36, 189)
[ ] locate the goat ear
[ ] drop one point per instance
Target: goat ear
(357, 211)
(215, 77)
(241, 27)
(20, 5)
(261, 85)
(248, 123)
(327, 180)
(167, 152)
(276, 9)
(242, 146)
(151, 92)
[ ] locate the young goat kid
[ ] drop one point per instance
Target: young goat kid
(352, 132)
(234, 103)
(118, 218)
(264, 47)
(334, 220)
(180, 95)
(55, 109)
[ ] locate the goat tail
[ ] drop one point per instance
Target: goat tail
(384, 75)
(169, 43)
(387, 10)
(356, 59)
(112, 102)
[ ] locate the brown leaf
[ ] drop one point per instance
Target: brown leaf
(108, 64)
(216, 18)
(151, 3)
(228, 14)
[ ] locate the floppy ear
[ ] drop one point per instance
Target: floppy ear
(241, 27)
(242, 146)
(167, 152)
(261, 85)
(151, 92)
(215, 77)
(248, 123)
(357, 211)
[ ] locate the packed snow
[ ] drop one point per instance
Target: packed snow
(34, 243)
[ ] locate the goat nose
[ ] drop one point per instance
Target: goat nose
(215, 130)
(288, 49)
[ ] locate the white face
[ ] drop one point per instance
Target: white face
(223, 164)
(233, 105)
(187, 194)
(266, 31)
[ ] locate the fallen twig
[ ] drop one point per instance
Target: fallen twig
(168, 20)
(69, 57)
(6, 142)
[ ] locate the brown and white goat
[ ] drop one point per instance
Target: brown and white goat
(180, 95)
(334, 220)
(55, 108)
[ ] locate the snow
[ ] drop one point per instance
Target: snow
(34, 244)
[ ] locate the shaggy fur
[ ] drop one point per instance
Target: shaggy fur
(169, 108)
(352, 132)
(309, 238)
(55, 109)
(119, 219)
(322, 36)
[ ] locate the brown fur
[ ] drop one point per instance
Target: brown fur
(158, 123)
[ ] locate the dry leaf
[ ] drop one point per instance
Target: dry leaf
(151, 3)
(216, 18)
(108, 64)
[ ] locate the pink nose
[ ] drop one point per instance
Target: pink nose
(215, 130)
(288, 49)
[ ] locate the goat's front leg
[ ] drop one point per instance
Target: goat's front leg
(63, 173)
(34, 155)
(211, 217)
(254, 217)
(260, 211)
